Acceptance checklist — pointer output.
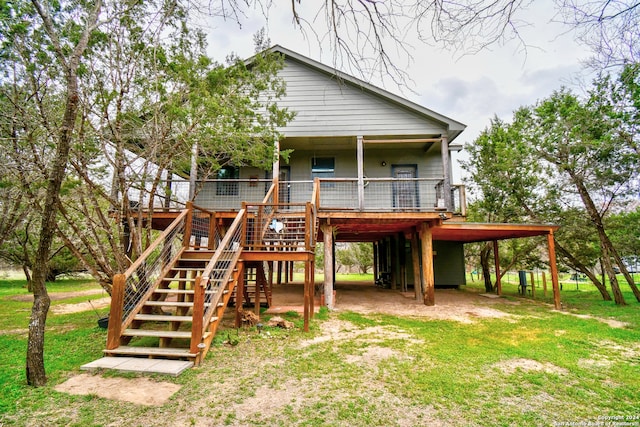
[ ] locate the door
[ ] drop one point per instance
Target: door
(405, 193)
(284, 188)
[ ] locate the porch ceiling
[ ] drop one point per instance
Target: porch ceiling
(368, 228)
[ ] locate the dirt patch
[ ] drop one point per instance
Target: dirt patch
(338, 330)
(81, 306)
(57, 296)
(511, 366)
(450, 304)
(611, 322)
(141, 391)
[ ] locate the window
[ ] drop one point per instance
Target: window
(227, 188)
(323, 167)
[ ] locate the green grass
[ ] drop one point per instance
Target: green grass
(536, 367)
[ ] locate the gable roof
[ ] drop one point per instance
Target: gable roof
(453, 127)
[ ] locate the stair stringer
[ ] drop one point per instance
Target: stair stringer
(237, 270)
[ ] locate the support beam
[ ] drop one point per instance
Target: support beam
(415, 260)
(360, 156)
(402, 262)
(240, 290)
(426, 246)
(275, 174)
(306, 298)
(446, 171)
(327, 232)
(375, 261)
(394, 262)
(496, 260)
(554, 270)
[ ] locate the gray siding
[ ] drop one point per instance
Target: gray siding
(429, 164)
(327, 107)
(448, 264)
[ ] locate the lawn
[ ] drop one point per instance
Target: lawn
(534, 367)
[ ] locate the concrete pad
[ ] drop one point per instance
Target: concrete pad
(141, 391)
(490, 295)
(137, 364)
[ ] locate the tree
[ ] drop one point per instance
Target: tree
(580, 157)
(93, 88)
(502, 176)
(356, 254)
(42, 49)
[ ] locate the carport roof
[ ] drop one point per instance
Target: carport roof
(468, 232)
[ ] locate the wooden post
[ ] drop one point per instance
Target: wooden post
(554, 270)
(427, 264)
(212, 231)
(402, 263)
(270, 273)
(394, 262)
(446, 172)
(291, 263)
(115, 312)
(533, 285)
(327, 232)
(239, 293)
(198, 314)
(544, 284)
(375, 261)
(496, 259)
(415, 260)
(306, 301)
(279, 272)
(276, 173)
(256, 295)
(186, 240)
(312, 272)
(360, 157)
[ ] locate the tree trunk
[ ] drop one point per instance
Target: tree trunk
(35, 370)
(605, 243)
(583, 269)
(485, 255)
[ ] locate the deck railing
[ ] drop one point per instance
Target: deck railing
(281, 226)
(377, 195)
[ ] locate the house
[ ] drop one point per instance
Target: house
(366, 166)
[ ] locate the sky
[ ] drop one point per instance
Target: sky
(471, 89)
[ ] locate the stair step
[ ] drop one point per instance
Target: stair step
(157, 334)
(151, 351)
(170, 304)
(180, 291)
(173, 291)
(162, 318)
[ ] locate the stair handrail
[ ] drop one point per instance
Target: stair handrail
(147, 252)
(119, 317)
(203, 281)
(269, 196)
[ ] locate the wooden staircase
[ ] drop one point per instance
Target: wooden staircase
(163, 324)
(170, 301)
